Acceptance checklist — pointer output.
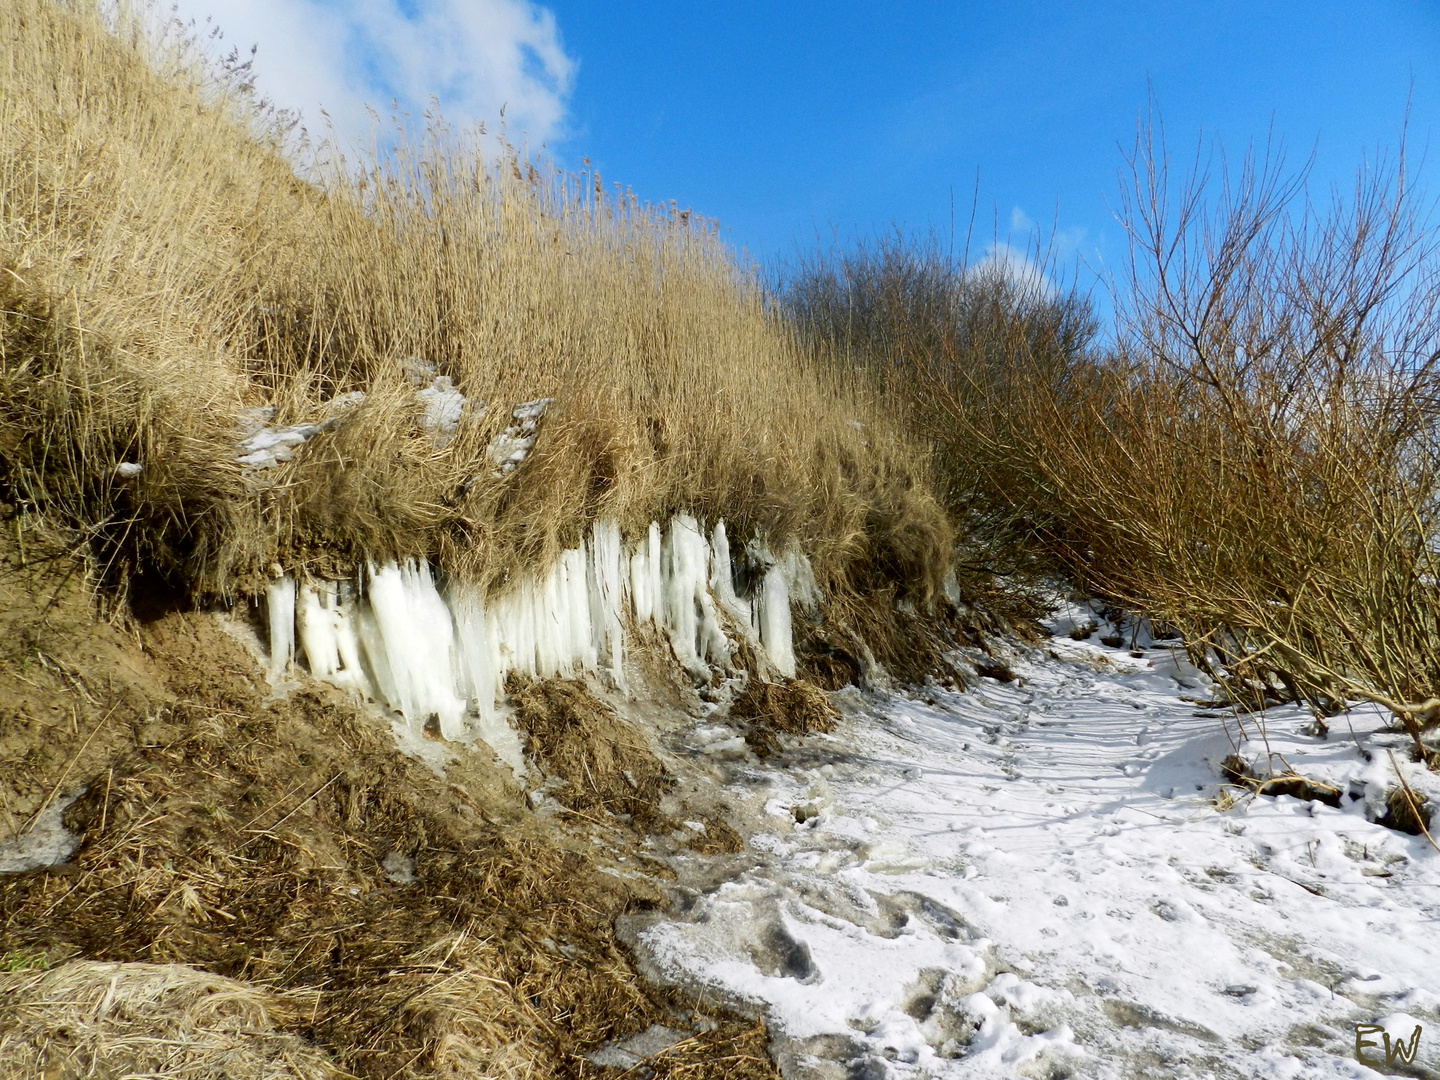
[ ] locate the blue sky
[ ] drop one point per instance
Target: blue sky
(792, 122)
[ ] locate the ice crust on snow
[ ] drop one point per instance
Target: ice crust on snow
(438, 653)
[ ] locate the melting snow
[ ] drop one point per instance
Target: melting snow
(263, 446)
(443, 406)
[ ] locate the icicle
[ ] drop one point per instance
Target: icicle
(642, 601)
(372, 643)
(280, 609)
(772, 610)
(473, 655)
(690, 617)
(722, 584)
(416, 636)
(316, 634)
(327, 634)
(550, 645)
(476, 661)
(606, 589)
(654, 574)
(800, 582)
(582, 645)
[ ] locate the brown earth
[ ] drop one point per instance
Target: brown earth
(272, 878)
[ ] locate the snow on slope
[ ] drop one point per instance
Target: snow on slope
(1032, 879)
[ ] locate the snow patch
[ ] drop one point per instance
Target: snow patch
(511, 447)
(443, 407)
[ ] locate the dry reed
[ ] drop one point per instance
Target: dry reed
(166, 264)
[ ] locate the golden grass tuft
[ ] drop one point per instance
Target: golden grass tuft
(146, 1020)
(166, 263)
(797, 707)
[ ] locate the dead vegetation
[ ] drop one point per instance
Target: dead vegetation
(149, 1019)
(1251, 458)
(602, 762)
(268, 885)
(770, 709)
(170, 263)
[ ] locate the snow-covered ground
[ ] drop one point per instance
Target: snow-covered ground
(1033, 878)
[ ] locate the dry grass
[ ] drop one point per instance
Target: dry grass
(165, 264)
(794, 708)
(148, 1020)
(602, 761)
(243, 878)
(259, 843)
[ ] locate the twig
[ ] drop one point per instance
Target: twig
(1410, 798)
(74, 758)
(296, 809)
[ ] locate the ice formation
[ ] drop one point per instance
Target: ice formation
(438, 654)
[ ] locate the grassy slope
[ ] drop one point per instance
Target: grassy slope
(245, 837)
(162, 268)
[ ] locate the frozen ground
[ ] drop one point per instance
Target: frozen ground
(1033, 878)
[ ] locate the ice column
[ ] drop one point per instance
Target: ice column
(607, 596)
(722, 585)
(772, 613)
(690, 619)
(280, 608)
(416, 633)
(328, 633)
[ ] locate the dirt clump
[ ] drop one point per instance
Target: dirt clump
(602, 762)
(770, 709)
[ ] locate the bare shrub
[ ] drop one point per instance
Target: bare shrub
(1255, 461)
(942, 343)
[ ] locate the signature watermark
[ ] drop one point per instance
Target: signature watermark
(1394, 1047)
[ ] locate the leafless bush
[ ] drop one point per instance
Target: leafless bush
(947, 346)
(1256, 460)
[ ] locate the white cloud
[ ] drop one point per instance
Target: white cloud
(1020, 222)
(475, 56)
(1002, 262)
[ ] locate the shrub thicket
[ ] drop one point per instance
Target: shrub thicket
(1251, 457)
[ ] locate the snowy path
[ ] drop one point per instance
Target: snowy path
(1033, 879)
